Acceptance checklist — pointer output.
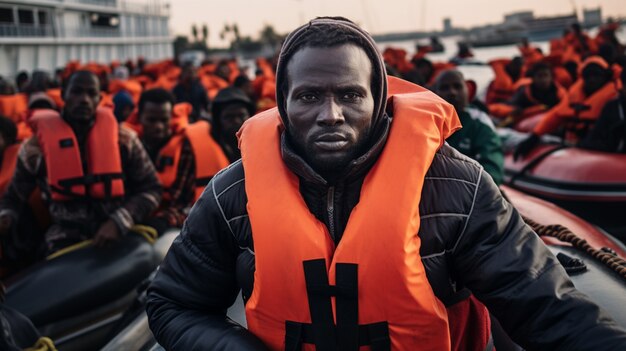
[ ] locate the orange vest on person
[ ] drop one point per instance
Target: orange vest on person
(366, 290)
(13, 106)
(9, 161)
(169, 156)
(502, 86)
(576, 97)
(68, 178)
(209, 156)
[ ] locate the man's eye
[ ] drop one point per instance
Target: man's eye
(307, 97)
(351, 96)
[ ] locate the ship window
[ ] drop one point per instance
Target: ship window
(104, 20)
(26, 16)
(43, 17)
(6, 15)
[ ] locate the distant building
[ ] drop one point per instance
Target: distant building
(518, 17)
(447, 25)
(47, 34)
(592, 17)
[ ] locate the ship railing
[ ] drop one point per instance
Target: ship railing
(13, 30)
(150, 7)
(92, 32)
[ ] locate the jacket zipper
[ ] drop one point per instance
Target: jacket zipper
(330, 209)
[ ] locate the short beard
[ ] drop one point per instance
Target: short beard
(330, 170)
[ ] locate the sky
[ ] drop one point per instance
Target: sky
(376, 16)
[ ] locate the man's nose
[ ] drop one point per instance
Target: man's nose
(331, 113)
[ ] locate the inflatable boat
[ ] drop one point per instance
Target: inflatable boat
(589, 183)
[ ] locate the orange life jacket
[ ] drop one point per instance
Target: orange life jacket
(167, 163)
(566, 109)
(169, 156)
(502, 87)
(67, 177)
(13, 106)
(207, 153)
(55, 95)
(371, 289)
(9, 161)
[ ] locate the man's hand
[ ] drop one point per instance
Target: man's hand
(6, 222)
(107, 233)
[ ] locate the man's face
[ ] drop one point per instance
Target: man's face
(542, 79)
(232, 117)
(155, 120)
(81, 97)
(329, 105)
(594, 78)
(451, 87)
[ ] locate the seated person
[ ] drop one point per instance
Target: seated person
(507, 76)
(540, 95)
(215, 145)
(190, 90)
(163, 136)
(230, 109)
(8, 151)
(579, 109)
(477, 139)
(609, 133)
(105, 183)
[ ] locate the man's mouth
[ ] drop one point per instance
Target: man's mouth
(331, 142)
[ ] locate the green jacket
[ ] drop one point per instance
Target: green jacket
(478, 139)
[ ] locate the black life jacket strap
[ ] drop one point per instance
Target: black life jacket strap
(347, 335)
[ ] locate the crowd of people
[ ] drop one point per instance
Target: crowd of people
(99, 148)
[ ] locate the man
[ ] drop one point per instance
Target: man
(316, 225)
(8, 151)
(609, 133)
(579, 109)
(163, 135)
(97, 178)
(190, 90)
(231, 107)
(541, 92)
(478, 138)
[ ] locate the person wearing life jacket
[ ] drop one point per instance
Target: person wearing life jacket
(163, 136)
(8, 151)
(581, 107)
(124, 105)
(533, 98)
(96, 178)
(609, 133)
(230, 109)
(477, 139)
(190, 90)
(580, 41)
(530, 54)
(506, 80)
(349, 224)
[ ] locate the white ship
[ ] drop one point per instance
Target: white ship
(46, 34)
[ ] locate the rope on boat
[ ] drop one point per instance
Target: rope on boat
(43, 344)
(146, 232)
(612, 261)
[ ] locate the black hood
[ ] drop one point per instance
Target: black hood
(293, 43)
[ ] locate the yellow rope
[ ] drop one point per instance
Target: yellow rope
(43, 344)
(69, 249)
(147, 232)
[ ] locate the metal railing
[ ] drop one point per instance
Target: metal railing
(14, 30)
(149, 7)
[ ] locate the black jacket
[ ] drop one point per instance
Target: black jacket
(472, 240)
(609, 132)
